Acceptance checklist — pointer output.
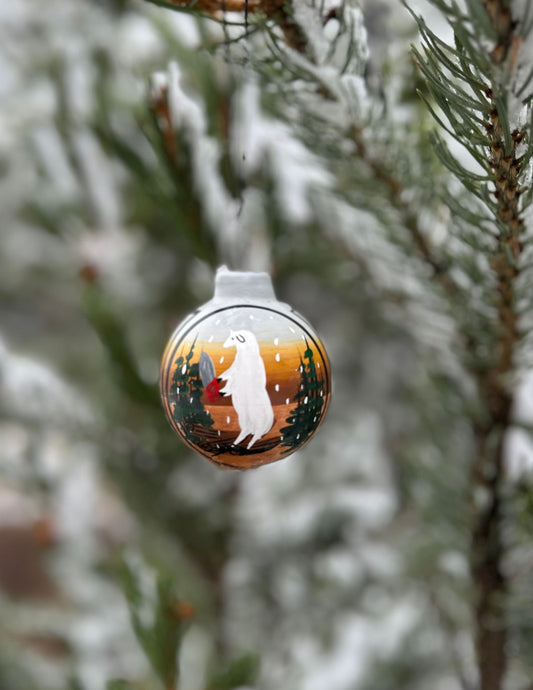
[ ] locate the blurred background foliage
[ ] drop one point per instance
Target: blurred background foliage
(126, 562)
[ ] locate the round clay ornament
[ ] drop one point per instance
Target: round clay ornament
(245, 380)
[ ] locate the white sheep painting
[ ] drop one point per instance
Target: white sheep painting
(246, 383)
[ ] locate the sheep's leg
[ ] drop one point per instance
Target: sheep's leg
(255, 438)
(240, 437)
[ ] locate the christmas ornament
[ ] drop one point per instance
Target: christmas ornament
(245, 380)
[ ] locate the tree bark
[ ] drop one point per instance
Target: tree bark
(487, 548)
(490, 586)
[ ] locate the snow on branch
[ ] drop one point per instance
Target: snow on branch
(183, 123)
(259, 142)
(33, 392)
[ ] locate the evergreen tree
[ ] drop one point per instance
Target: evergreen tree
(186, 395)
(180, 390)
(305, 417)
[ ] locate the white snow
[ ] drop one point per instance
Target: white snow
(258, 140)
(31, 390)
(194, 657)
(146, 580)
(187, 114)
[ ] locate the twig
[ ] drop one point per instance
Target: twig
(278, 11)
(489, 579)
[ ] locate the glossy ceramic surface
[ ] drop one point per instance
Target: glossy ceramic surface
(245, 384)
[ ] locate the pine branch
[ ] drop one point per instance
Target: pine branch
(214, 7)
(499, 14)
(279, 11)
(380, 171)
(111, 331)
(487, 542)
(471, 84)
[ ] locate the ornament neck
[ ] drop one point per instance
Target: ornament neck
(243, 284)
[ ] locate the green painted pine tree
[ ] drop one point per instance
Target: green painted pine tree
(186, 395)
(180, 390)
(309, 399)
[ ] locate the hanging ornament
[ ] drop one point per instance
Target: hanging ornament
(245, 380)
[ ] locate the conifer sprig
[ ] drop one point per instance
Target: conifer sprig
(470, 88)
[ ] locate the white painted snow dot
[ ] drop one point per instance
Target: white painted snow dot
(227, 420)
(291, 329)
(277, 386)
(221, 360)
(190, 401)
(318, 365)
(278, 356)
(281, 438)
(217, 445)
(297, 436)
(276, 341)
(300, 369)
(306, 400)
(178, 390)
(303, 336)
(321, 394)
(287, 401)
(314, 419)
(301, 386)
(251, 317)
(219, 432)
(183, 368)
(210, 338)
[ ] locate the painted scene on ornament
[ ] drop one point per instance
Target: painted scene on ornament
(245, 389)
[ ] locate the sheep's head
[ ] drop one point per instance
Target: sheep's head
(239, 338)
